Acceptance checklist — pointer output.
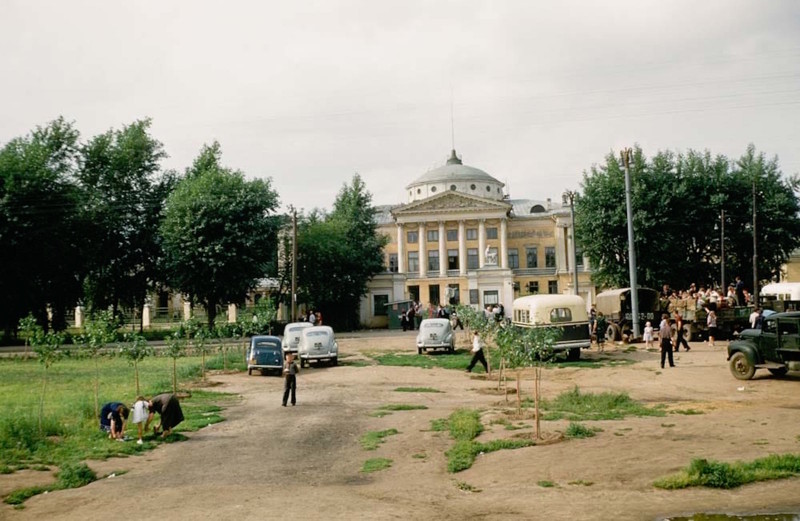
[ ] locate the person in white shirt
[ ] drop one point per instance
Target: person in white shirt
(477, 353)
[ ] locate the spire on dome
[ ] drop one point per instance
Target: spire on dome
(454, 160)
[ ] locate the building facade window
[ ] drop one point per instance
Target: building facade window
(452, 259)
(491, 298)
(550, 257)
(433, 260)
(413, 261)
(491, 233)
(433, 294)
(413, 293)
(532, 287)
(531, 258)
(412, 237)
(472, 258)
(513, 258)
(379, 308)
(393, 262)
(453, 294)
(433, 235)
(452, 235)
(473, 296)
(552, 287)
(472, 234)
(579, 255)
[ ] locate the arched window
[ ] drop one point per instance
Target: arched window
(537, 208)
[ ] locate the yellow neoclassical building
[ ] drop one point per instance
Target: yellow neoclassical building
(460, 238)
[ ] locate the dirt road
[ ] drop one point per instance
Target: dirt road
(304, 462)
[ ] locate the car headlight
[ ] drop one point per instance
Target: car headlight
(252, 361)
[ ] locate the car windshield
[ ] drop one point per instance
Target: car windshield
(266, 345)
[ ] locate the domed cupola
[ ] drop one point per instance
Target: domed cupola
(457, 177)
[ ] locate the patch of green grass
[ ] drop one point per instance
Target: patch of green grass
(716, 474)
(402, 407)
(466, 487)
(456, 361)
(686, 412)
(581, 482)
(465, 425)
(545, 483)
(71, 475)
(761, 442)
(512, 427)
(376, 464)
(372, 439)
(20, 495)
(594, 364)
(441, 425)
(417, 390)
(577, 406)
(577, 430)
(354, 363)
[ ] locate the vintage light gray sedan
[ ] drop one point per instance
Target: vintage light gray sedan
(318, 343)
(436, 333)
(292, 334)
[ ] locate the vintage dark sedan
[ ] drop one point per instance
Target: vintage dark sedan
(265, 354)
(775, 346)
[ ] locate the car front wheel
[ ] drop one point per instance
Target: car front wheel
(741, 367)
(335, 361)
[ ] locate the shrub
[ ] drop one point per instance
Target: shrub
(577, 430)
(74, 475)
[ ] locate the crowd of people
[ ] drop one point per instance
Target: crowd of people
(114, 416)
(712, 298)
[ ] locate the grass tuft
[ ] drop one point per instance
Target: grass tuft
(545, 483)
(687, 412)
(577, 406)
(402, 407)
(577, 430)
(465, 487)
(372, 439)
(376, 464)
(716, 474)
(417, 390)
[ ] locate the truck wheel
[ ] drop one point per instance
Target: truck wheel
(612, 332)
(741, 368)
(574, 354)
(780, 371)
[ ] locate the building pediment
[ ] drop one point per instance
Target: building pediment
(452, 202)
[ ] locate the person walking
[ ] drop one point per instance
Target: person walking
(711, 322)
(600, 326)
(477, 353)
(290, 380)
(679, 339)
(666, 340)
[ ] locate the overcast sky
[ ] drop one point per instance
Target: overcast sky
(310, 92)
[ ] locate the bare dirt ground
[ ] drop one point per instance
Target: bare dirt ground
(304, 462)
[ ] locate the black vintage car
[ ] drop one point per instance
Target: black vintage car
(772, 347)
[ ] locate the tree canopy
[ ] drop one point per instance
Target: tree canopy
(218, 233)
(677, 201)
(338, 254)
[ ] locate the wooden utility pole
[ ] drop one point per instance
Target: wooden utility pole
(294, 265)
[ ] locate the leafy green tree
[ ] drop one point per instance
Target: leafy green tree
(124, 194)
(40, 226)
(219, 233)
(135, 349)
(176, 348)
(97, 334)
(338, 254)
(677, 201)
(47, 347)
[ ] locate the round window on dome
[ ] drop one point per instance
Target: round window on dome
(488, 188)
(433, 189)
(472, 187)
(453, 187)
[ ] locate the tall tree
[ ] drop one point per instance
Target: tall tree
(218, 233)
(677, 201)
(40, 226)
(124, 196)
(338, 254)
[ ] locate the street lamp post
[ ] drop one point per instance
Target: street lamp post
(625, 157)
(570, 195)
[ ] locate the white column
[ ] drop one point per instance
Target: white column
(187, 310)
(503, 245)
(401, 254)
(423, 253)
(78, 317)
(442, 251)
(462, 249)
(233, 313)
(481, 243)
(147, 313)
